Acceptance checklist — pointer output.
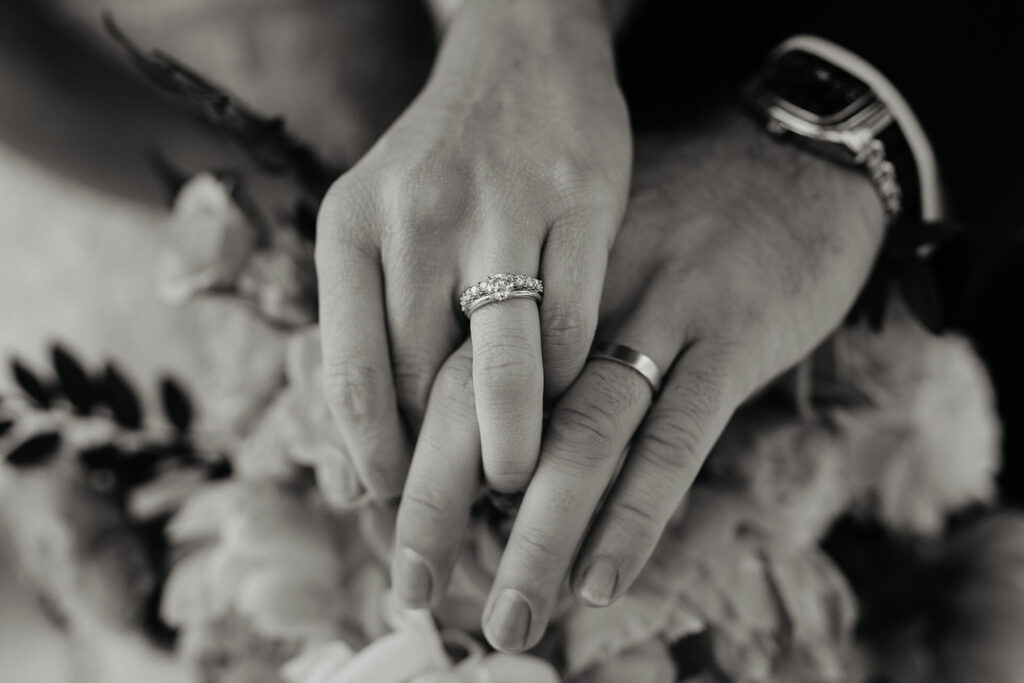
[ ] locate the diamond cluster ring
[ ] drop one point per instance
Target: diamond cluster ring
(500, 287)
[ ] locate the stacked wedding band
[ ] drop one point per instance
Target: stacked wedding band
(500, 287)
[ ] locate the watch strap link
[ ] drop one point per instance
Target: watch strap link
(890, 165)
(900, 163)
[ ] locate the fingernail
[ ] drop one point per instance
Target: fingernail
(508, 624)
(598, 583)
(411, 580)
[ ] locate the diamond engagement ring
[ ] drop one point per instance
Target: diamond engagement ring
(500, 287)
(631, 358)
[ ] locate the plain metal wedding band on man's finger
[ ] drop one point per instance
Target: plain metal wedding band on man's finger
(631, 358)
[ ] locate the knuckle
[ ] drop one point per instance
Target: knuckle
(452, 398)
(596, 424)
(507, 368)
(537, 545)
(589, 425)
(456, 377)
(638, 519)
(732, 307)
(565, 337)
(357, 394)
(507, 474)
(332, 208)
(672, 446)
(346, 210)
(413, 378)
(735, 371)
(676, 440)
(581, 180)
(425, 504)
(616, 390)
(743, 313)
(422, 195)
(692, 411)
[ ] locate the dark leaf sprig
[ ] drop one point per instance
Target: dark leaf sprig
(132, 464)
(264, 138)
(36, 450)
(31, 384)
(85, 393)
(136, 454)
(121, 398)
(75, 383)
(176, 404)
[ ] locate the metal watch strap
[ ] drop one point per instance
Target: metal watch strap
(891, 167)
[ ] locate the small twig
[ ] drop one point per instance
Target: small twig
(265, 139)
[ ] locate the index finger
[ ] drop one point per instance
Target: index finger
(582, 450)
(443, 482)
(358, 384)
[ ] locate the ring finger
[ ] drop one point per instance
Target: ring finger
(582, 451)
(699, 397)
(508, 375)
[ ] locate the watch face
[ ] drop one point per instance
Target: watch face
(815, 89)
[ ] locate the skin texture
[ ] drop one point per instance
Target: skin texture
(737, 256)
(514, 158)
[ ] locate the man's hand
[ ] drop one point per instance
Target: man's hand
(737, 256)
(514, 159)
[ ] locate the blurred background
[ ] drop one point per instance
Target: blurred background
(83, 219)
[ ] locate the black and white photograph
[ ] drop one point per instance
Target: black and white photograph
(511, 341)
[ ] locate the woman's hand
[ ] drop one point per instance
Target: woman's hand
(737, 256)
(514, 159)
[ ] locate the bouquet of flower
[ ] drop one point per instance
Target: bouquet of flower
(816, 546)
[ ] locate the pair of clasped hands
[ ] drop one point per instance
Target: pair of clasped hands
(726, 259)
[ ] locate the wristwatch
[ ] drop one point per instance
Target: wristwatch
(833, 103)
(808, 94)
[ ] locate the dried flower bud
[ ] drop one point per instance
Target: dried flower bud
(282, 285)
(210, 240)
